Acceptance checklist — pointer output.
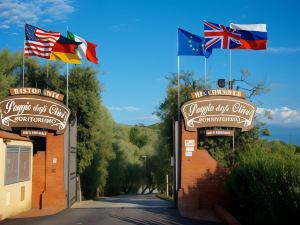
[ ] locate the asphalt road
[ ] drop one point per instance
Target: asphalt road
(114, 211)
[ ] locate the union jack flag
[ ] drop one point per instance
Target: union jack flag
(219, 36)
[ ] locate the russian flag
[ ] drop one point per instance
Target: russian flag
(253, 36)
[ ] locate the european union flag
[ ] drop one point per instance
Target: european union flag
(191, 44)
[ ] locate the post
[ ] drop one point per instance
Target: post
(230, 65)
(67, 97)
(178, 85)
(23, 69)
(233, 150)
(167, 183)
(205, 86)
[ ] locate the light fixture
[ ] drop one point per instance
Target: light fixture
(221, 83)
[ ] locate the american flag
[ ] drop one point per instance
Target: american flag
(39, 42)
(219, 36)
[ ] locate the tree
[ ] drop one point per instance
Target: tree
(94, 121)
(95, 127)
(168, 113)
(265, 183)
(8, 71)
(132, 168)
(219, 147)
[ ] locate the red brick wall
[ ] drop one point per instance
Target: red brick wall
(202, 178)
(38, 178)
(53, 193)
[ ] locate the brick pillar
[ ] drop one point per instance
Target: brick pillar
(202, 178)
(54, 195)
(38, 178)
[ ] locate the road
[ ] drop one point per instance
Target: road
(120, 210)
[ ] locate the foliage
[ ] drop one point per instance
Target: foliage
(94, 122)
(132, 167)
(168, 113)
(10, 62)
(137, 138)
(265, 185)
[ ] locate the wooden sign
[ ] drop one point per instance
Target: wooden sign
(218, 92)
(33, 111)
(36, 91)
(29, 133)
(228, 133)
(218, 111)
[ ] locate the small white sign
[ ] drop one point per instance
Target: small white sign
(189, 149)
(188, 154)
(189, 143)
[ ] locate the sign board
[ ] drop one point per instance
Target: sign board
(188, 154)
(36, 91)
(39, 133)
(189, 143)
(218, 111)
(33, 111)
(218, 92)
(229, 133)
(189, 149)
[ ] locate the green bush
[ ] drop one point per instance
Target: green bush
(265, 185)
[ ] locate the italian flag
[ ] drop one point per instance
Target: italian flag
(86, 49)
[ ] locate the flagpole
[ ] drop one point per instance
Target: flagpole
(229, 68)
(205, 86)
(47, 68)
(23, 60)
(178, 84)
(67, 97)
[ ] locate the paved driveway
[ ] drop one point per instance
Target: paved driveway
(120, 210)
(126, 201)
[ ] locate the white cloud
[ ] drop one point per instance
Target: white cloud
(283, 50)
(4, 26)
(18, 12)
(151, 118)
(124, 108)
(147, 120)
(283, 116)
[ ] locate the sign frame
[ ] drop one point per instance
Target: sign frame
(33, 111)
(218, 111)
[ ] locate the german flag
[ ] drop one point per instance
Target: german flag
(65, 50)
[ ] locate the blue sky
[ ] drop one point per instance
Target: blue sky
(138, 48)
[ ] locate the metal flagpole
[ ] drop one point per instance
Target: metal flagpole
(47, 68)
(205, 73)
(233, 149)
(230, 67)
(23, 59)
(178, 85)
(67, 97)
(177, 139)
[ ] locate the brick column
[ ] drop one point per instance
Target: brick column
(54, 195)
(202, 178)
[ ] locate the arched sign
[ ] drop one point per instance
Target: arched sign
(33, 111)
(218, 111)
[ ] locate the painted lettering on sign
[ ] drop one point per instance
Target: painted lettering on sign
(218, 111)
(36, 91)
(218, 92)
(39, 133)
(219, 133)
(33, 111)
